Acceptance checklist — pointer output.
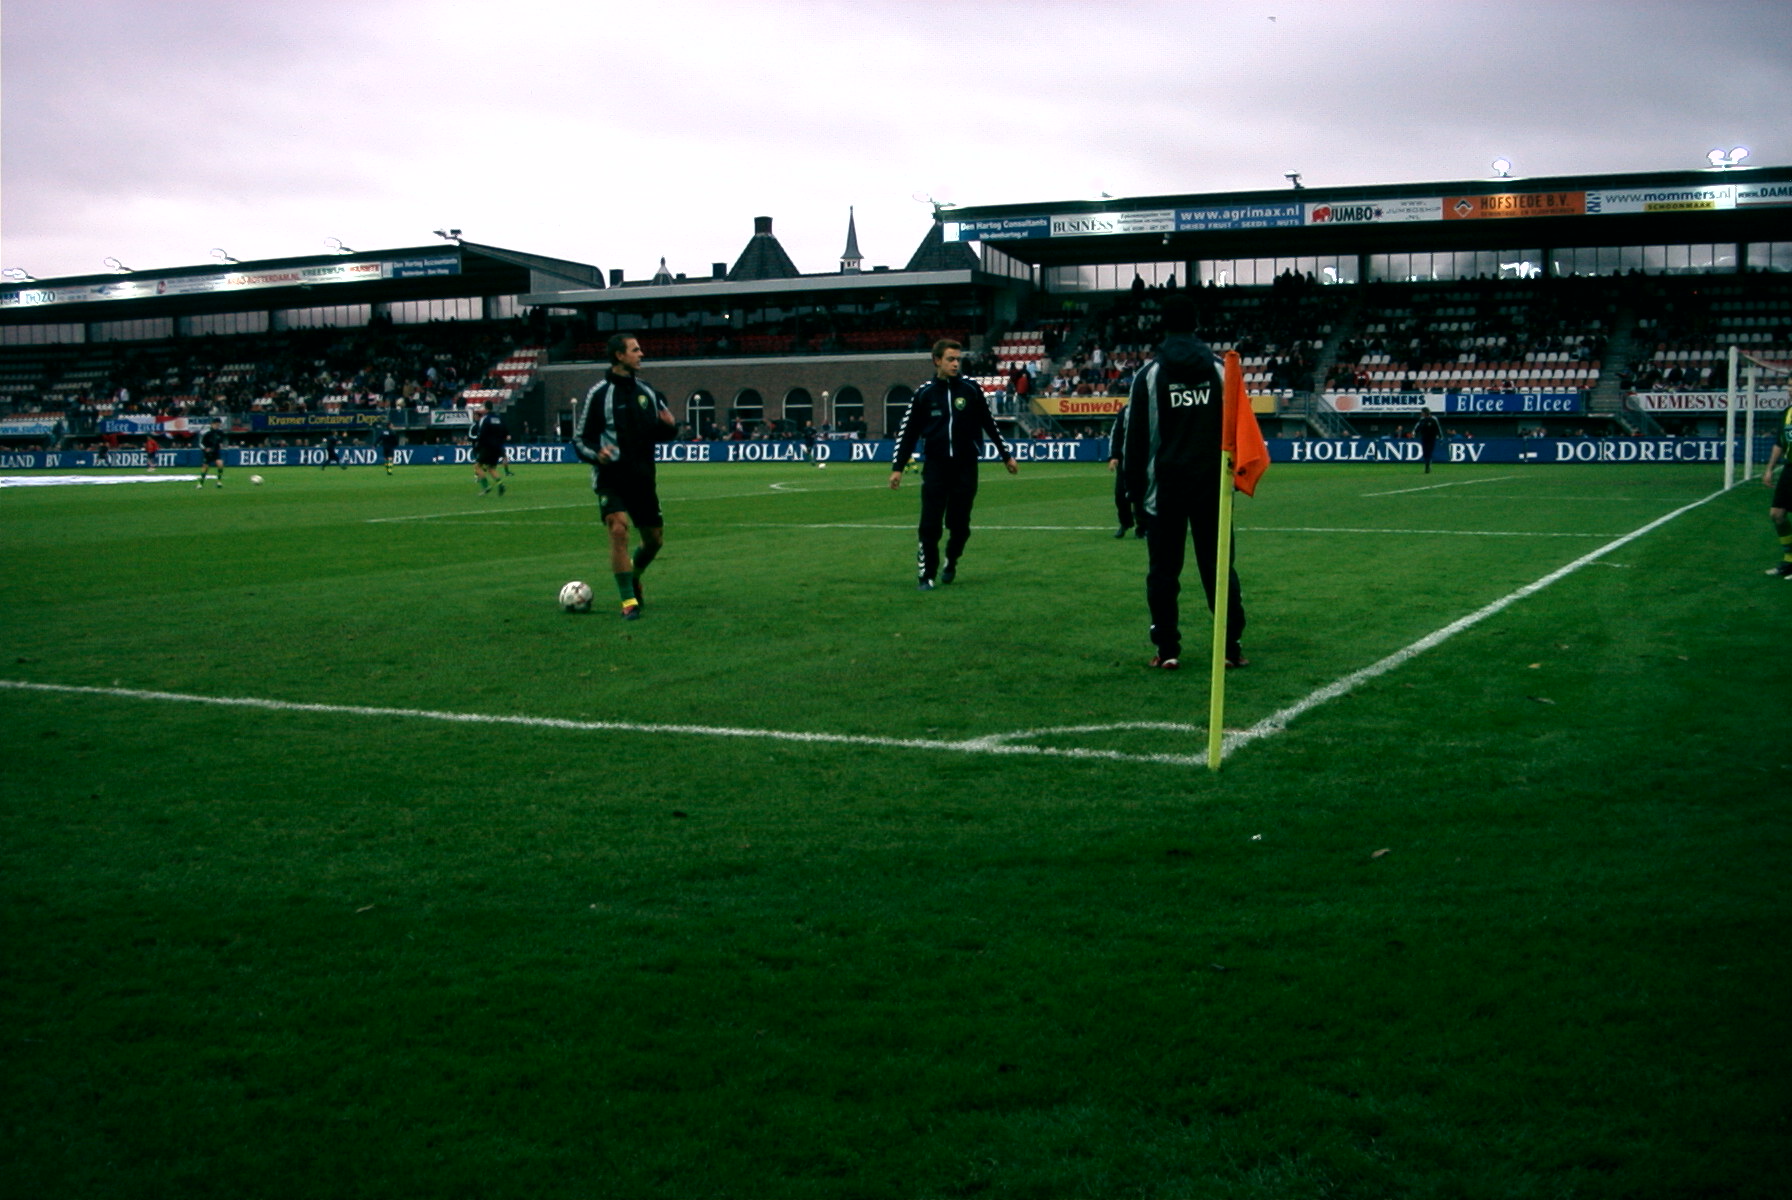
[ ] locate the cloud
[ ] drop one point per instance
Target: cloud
(614, 133)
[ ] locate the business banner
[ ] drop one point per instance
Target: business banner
(1160, 220)
(1240, 216)
(1393, 211)
(1766, 400)
(1515, 204)
(309, 423)
(1459, 403)
(35, 425)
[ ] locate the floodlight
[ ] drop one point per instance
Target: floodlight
(1732, 158)
(116, 265)
(19, 275)
(336, 245)
(223, 255)
(1502, 168)
(1293, 177)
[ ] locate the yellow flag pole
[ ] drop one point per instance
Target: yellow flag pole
(1222, 598)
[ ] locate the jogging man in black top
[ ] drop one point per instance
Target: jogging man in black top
(388, 444)
(211, 453)
(1172, 463)
(489, 438)
(618, 424)
(949, 418)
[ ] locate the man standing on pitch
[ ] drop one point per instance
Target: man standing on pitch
(1782, 495)
(1132, 513)
(1172, 460)
(489, 438)
(949, 418)
(618, 424)
(1427, 430)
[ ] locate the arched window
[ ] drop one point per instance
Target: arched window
(799, 408)
(749, 407)
(848, 413)
(896, 402)
(700, 411)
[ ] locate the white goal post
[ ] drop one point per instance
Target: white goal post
(1756, 368)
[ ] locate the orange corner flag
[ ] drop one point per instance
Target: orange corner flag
(1240, 436)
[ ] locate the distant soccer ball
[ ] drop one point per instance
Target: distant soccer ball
(255, 479)
(576, 596)
(821, 466)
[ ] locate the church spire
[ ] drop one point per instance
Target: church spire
(850, 258)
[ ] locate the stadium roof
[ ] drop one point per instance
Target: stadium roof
(1738, 204)
(374, 277)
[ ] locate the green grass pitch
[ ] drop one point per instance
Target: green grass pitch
(811, 885)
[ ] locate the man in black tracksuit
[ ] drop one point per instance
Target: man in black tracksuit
(949, 418)
(617, 426)
(1427, 430)
(1172, 463)
(1132, 513)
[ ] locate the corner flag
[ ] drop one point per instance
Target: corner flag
(1246, 458)
(1240, 436)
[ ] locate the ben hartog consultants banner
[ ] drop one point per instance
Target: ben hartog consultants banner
(847, 453)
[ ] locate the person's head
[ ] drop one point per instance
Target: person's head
(1179, 315)
(948, 358)
(625, 353)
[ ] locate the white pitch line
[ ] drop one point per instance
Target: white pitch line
(988, 744)
(1278, 721)
(473, 512)
(12, 481)
(1109, 529)
(1432, 487)
(1425, 532)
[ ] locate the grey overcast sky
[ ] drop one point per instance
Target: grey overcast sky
(612, 134)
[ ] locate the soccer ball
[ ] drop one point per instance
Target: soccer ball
(255, 479)
(575, 597)
(822, 466)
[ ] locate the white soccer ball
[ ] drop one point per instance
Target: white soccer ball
(822, 466)
(576, 596)
(255, 479)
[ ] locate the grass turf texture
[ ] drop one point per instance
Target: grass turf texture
(1505, 921)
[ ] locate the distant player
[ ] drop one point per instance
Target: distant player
(151, 448)
(489, 438)
(1427, 431)
(388, 444)
(332, 453)
(1782, 494)
(211, 454)
(949, 418)
(617, 426)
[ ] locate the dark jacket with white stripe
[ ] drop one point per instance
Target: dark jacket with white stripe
(621, 412)
(1174, 422)
(948, 418)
